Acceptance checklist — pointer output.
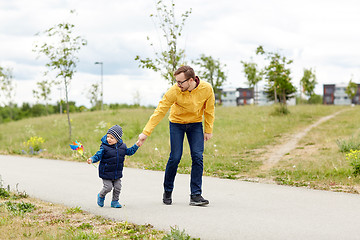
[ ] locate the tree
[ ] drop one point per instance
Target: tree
(253, 75)
(212, 71)
(61, 48)
(279, 87)
(43, 92)
(351, 89)
(166, 61)
(7, 87)
(308, 82)
(94, 95)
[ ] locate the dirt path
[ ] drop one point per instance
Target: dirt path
(274, 153)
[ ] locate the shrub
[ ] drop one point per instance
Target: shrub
(280, 109)
(348, 145)
(176, 234)
(34, 145)
(354, 158)
(19, 208)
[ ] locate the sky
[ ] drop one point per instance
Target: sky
(322, 35)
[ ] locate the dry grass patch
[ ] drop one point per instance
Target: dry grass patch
(317, 162)
(53, 221)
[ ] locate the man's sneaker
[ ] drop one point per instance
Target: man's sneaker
(167, 198)
(198, 200)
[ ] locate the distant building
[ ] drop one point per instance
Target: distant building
(228, 97)
(335, 94)
(246, 96)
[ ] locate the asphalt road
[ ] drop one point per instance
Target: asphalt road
(237, 209)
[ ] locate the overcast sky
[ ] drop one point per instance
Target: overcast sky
(320, 34)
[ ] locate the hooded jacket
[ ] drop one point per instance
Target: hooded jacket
(112, 158)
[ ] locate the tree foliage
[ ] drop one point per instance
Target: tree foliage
(43, 91)
(7, 86)
(211, 70)
(308, 82)
(279, 88)
(94, 95)
(168, 60)
(351, 89)
(61, 47)
(252, 74)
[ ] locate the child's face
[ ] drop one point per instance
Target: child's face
(110, 139)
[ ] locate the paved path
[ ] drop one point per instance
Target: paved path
(237, 210)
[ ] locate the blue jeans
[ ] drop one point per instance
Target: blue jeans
(195, 135)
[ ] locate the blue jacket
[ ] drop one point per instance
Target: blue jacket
(112, 158)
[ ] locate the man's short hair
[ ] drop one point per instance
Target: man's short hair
(187, 70)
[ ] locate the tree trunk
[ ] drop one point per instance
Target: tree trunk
(67, 108)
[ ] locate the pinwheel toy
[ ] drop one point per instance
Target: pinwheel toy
(77, 146)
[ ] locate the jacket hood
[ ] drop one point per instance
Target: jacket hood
(104, 141)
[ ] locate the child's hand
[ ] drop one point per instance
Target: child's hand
(138, 143)
(89, 161)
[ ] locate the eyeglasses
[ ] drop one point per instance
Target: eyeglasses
(180, 83)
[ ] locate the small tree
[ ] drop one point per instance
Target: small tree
(280, 87)
(166, 61)
(61, 48)
(7, 87)
(253, 75)
(94, 95)
(351, 89)
(211, 70)
(43, 92)
(308, 82)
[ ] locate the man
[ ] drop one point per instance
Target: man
(190, 100)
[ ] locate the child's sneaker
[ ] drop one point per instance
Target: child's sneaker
(115, 204)
(100, 200)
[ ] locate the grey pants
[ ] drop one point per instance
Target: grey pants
(108, 186)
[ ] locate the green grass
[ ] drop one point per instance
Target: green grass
(237, 132)
(322, 164)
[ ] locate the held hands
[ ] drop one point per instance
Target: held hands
(141, 140)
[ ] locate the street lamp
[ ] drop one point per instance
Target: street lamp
(102, 85)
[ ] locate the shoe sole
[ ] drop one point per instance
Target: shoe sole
(198, 204)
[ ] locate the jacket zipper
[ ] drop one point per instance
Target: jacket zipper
(117, 160)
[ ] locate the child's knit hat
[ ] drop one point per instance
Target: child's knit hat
(116, 131)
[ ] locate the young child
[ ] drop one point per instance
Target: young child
(111, 156)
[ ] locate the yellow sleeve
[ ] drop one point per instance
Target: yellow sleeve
(166, 102)
(209, 113)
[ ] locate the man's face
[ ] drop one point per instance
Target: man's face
(182, 82)
(110, 139)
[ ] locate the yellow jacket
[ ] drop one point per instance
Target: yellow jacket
(186, 107)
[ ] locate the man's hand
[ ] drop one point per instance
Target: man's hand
(142, 138)
(207, 136)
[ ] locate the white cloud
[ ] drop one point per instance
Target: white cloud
(318, 34)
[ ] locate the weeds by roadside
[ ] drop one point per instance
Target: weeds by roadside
(22, 217)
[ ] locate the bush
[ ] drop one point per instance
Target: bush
(348, 145)
(34, 145)
(19, 208)
(354, 158)
(176, 234)
(280, 109)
